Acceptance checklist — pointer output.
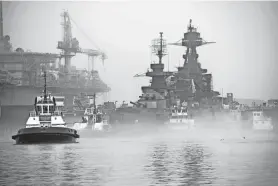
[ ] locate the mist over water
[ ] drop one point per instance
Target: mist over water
(137, 155)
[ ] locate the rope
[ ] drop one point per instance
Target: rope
(85, 34)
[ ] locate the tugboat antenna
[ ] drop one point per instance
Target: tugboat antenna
(45, 96)
(94, 96)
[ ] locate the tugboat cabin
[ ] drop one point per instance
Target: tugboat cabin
(179, 113)
(45, 105)
(261, 122)
(46, 113)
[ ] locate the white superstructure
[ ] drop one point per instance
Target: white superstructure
(179, 119)
(95, 118)
(261, 122)
(46, 113)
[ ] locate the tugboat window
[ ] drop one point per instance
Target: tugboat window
(45, 109)
(51, 109)
(39, 109)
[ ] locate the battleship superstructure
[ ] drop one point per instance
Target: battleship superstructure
(192, 69)
(21, 71)
(153, 103)
(190, 85)
(158, 93)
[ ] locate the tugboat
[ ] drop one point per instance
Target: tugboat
(179, 119)
(261, 122)
(94, 120)
(46, 123)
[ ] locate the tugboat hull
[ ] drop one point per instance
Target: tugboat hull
(96, 130)
(45, 135)
(186, 125)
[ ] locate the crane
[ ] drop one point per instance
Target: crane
(92, 54)
(70, 46)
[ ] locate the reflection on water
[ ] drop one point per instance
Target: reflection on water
(151, 159)
(183, 164)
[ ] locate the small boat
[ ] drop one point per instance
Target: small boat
(179, 119)
(261, 122)
(94, 120)
(45, 124)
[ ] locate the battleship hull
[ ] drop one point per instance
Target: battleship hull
(45, 135)
(141, 116)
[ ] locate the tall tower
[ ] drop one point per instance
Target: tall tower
(69, 45)
(191, 68)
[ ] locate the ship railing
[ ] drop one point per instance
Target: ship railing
(32, 114)
(57, 113)
(179, 114)
(179, 117)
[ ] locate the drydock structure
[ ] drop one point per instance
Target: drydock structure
(21, 74)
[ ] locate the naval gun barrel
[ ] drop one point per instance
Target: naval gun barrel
(136, 104)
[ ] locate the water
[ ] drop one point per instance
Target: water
(145, 159)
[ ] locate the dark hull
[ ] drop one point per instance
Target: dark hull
(134, 115)
(143, 116)
(203, 118)
(45, 135)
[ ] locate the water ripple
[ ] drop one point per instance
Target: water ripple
(149, 160)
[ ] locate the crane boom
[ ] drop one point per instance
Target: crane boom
(70, 45)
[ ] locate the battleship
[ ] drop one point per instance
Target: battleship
(21, 74)
(172, 88)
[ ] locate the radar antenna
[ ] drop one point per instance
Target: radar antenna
(159, 47)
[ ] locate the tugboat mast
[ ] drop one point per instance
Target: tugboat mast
(45, 95)
(95, 108)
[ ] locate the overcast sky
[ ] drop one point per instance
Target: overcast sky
(244, 59)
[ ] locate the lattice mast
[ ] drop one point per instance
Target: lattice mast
(159, 47)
